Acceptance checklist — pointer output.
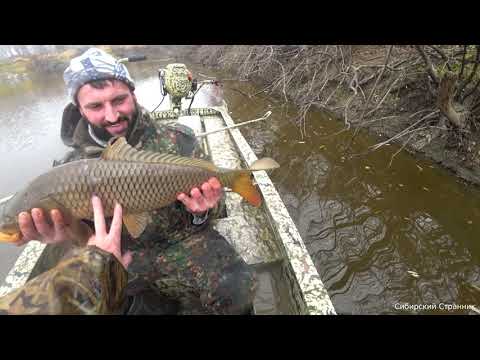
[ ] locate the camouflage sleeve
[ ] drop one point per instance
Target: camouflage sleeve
(89, 281)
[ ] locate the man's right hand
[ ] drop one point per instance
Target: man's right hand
(36, 227)
(109, 241)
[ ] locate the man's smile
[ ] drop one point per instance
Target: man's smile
(117, 128)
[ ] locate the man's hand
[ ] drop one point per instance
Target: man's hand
(36, 227)
(202, 200)
(111, 241)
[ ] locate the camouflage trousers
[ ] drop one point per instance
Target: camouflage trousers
(202, 274)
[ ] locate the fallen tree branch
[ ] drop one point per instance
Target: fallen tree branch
(382, 118)
(367, 79)
(404, 131)
(384, 97)
(399, 150)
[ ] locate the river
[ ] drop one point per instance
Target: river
(384, 238)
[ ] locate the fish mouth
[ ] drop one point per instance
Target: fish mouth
(9, 237)
(9, 231)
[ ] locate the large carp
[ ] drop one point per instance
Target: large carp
(140, 181)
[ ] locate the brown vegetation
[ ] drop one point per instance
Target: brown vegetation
(426, 98)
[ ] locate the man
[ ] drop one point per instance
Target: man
(178, 257)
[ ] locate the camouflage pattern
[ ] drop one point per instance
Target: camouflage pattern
(143, 135)
(294, 278)
(168, 114)
(175, 259)
(178, 84)
(89, 281)
(203, 272)
(21, 272)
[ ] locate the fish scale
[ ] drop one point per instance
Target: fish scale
(115, 181)
(141, 182)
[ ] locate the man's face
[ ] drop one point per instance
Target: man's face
(111, 108)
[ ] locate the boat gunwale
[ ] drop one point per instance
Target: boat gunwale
(310, 286)
(311, 289)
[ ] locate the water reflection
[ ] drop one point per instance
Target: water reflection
(378, 235)
(30, 126)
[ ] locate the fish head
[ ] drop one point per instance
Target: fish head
(8, 225)
(9, 230)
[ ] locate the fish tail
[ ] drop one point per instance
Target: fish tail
(241, 182)
(264, 164)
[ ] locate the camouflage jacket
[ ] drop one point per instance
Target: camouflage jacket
(89, 281)
(172, 223)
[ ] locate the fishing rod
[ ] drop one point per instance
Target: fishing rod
(267, 114)
(133, 58)
(5, 199)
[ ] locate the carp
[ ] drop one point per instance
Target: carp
(140, 181)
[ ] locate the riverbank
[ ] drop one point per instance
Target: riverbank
(16, 74)
(389, 91)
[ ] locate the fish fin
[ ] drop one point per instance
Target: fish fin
(93, 150)
(118, 149)
(264, 164)
(136, 223)
(242, 184)
(4, 237)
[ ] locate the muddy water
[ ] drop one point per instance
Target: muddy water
(381, 236)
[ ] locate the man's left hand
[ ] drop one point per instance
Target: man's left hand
(204, 198)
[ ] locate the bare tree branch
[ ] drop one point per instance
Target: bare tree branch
(472, 73)
(384, 97)
(428, 63)
(463, 62)
(387, 58)
(471, 91)
(399, 150)
(404, 131)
